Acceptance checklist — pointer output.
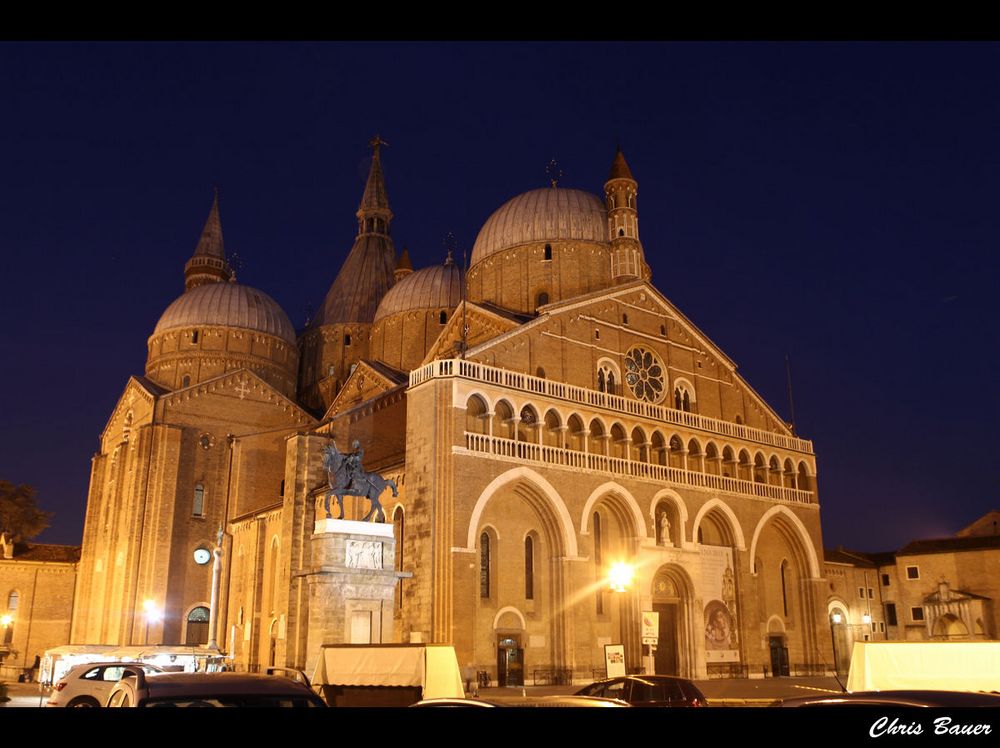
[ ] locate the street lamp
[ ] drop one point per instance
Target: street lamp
(153, 615)
(620, 577)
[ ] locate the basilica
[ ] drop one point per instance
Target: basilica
(545, 415)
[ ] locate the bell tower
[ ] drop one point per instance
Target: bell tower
(628, 262)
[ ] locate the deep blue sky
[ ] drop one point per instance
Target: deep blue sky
(837, 202)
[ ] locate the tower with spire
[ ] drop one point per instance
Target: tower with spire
(337, 336)
(208, 263)
(621, 191)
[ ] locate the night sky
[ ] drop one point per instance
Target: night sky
(833, 201)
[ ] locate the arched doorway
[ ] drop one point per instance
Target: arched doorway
(510, 650)
(950, 626)
(197, 626)
(672, 601)
(840, 640)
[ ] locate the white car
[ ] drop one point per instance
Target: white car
(91, 683)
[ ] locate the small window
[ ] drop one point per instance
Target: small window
(861, 592)
(663, 330)
(624, 319)
(542, 299)
(890, 613)
(281, 489)
(621, 232)
(548, 251)
(347, 339)
(484, 565)
(871, 594)
(597, 334)
(917, 613)
(443, 318)
(885, 580)
(186, 381)
(881, 627)
(12, 600)
(198, 509)
(913, 572)
(194, 337)
(529, 569)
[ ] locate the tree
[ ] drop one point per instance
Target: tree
(20, 518)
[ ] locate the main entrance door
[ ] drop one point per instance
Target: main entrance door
(510, 660)
(779, 656)
(666, 648)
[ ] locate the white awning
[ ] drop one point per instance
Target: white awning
(432, 667)
(938, 666)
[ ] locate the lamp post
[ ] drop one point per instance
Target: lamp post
(152, 614)
(835, 620)
(620, 579)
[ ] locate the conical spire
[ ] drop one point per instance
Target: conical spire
(374, 214)
(208, 263)
(619, 168)
(403, 265)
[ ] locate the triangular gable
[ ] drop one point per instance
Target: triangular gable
(648, 294)
(244, 384)
(369, 379)
(484, 325)
(136, 388)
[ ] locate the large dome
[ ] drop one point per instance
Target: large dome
(550, 213)
(436, 287)
(227, 305)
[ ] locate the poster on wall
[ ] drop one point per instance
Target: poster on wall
(719, 592)
(614, 660)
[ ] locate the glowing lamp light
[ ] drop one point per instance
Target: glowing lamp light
(621, 576)
(152, 612)
(837, 618)
(6, 620)
(866, 618)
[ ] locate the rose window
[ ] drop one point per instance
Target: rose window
(644, 375)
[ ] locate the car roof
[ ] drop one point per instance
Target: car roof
(221, 684)
(899, 698)
(110, 663)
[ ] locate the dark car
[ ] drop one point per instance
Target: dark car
(212, 690)
(647, 690)
(545, 702)
(945, 699)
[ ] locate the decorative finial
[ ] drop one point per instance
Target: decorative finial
(449, 245)
(376, 142)
(554, 172)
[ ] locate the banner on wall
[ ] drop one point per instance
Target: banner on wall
(719, 593)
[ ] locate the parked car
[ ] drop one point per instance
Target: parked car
(647, 690)
(525, 701)
(90, 684)
(945, 699)
(211, 689)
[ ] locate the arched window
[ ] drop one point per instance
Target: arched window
(625, 319)
(540, 372)
(12, 600)
(484, 565)
(598, 566)
(198, 508)
(548, 251)
(443, 317)
(663, 330)
(784, 587)
(197, 626)
(127, 426)
(347, 339)
(476, 416)
(529, 568)
(542, 299)
(607, 378)
(397, 531)
(186, 381)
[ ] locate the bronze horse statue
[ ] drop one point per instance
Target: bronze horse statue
(346, 477)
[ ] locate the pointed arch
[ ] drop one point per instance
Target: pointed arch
(639, 523)
(542, 489)
(514, 612)
(784, 514)
(734, 523)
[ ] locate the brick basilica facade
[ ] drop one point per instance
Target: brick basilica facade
(545, 415)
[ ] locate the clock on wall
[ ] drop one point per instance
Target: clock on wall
(202, 556)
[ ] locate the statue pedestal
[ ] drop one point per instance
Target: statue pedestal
(351, 585)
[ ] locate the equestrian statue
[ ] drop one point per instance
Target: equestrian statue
(346, 477)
